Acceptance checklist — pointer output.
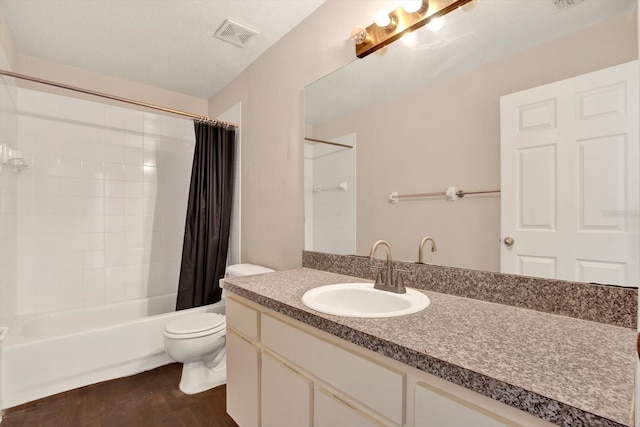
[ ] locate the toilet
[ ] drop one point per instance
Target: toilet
(198, 342)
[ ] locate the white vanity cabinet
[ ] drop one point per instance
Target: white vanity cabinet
(282, 373)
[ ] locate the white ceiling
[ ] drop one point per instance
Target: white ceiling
(163, 43)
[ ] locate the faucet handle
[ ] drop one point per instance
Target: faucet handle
(399, 279)
(378, 275)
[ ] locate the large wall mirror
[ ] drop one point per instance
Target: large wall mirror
(425, 115)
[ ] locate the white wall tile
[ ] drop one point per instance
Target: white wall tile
(114, 240)
(93, 241)
(113, 223)
(93, 205)
(70, 167)
(133, 156)
(114, 188)
(133, 173)
(92, 169)
(71, 186)
(134, 140)
(93, 259)
(133, 190)
(134, 206)
(99, 220)
(114, 205)
(93, 224)
(114, 171)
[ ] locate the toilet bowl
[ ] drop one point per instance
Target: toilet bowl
(198, 342)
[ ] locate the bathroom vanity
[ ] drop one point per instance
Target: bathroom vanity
(459, 362)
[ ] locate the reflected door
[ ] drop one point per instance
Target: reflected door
(569, 179)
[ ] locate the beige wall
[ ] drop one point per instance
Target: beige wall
(271, 91)
(448, 134)
(6, 42)
(85, 79)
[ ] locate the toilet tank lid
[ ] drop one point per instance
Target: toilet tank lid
(239, 270)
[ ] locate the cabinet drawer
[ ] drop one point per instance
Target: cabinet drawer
(434, 407)
(376, 386)
(243, 319)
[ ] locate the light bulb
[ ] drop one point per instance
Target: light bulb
(436, 24)
(383, 20)
(411, 6)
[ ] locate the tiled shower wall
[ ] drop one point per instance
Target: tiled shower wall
(8, 198)
(101, 212)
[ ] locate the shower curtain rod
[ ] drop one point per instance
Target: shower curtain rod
(118, 98)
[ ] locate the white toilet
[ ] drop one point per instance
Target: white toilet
(198, 341)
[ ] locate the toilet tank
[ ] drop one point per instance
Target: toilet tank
(240, 270)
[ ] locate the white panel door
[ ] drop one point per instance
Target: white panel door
(569, 178)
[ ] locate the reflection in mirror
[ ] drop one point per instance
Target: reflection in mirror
(330, 194)
(427, 117)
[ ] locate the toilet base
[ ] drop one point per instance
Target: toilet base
(198, 376)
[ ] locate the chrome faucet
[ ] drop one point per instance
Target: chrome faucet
(421, 248)
(387, 282)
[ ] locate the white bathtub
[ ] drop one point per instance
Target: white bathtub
(54, 352)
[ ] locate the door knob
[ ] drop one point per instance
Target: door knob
(509, 241)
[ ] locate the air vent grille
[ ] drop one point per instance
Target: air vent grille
(564, 4)
(234, 33)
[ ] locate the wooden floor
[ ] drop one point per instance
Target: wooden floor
(148, 399)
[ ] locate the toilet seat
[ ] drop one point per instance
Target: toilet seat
(195, 326)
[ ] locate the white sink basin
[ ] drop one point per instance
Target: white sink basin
(361, 300)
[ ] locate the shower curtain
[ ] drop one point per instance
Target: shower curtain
(206, 237)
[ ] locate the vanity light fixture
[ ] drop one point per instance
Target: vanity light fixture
(388, 28)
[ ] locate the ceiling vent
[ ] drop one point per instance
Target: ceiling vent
(564, 4)
(235, 33)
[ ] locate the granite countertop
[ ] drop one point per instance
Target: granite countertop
(564, 370)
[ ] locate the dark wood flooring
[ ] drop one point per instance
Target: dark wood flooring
(151, 399)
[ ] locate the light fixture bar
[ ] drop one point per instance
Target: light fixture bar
(379, 37)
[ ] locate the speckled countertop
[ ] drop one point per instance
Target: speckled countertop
(564, 370)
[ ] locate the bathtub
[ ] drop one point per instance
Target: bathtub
(50, 353)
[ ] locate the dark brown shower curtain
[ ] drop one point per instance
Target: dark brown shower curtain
(206, 235)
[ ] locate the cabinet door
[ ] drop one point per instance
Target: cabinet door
(287, 396)
(331, 412)
(242, 380)
(375, 385)
(437, 408)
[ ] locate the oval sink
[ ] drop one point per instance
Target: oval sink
(362, 300)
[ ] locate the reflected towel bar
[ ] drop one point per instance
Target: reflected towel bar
(393, 197)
